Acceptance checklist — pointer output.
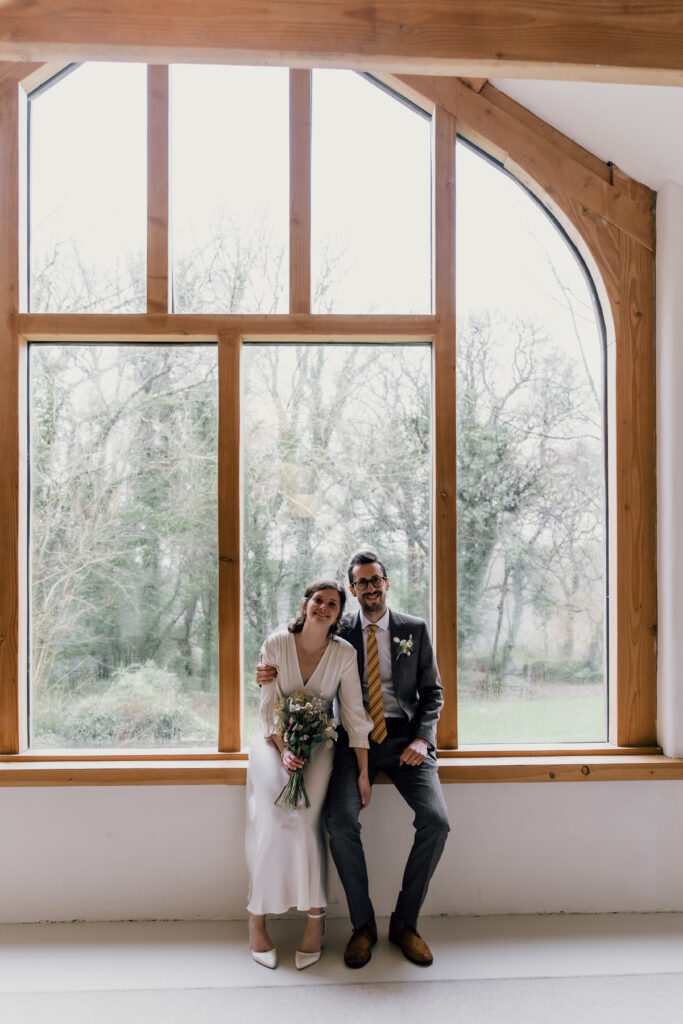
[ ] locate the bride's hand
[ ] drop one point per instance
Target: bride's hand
(290, 762)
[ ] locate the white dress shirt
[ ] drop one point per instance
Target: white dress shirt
(392, 709)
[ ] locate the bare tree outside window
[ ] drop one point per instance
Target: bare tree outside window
(124, 603)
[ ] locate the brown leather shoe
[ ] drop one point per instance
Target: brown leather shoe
(412, 945)
(359, 947)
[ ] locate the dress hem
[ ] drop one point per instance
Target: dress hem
(303, 910)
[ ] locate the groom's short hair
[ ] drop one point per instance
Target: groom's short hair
(364, 558)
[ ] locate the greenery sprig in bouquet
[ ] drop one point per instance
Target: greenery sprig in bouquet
(303, 721)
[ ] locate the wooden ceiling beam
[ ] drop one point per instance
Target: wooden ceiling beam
(542, 159)
(475, 83)
(589, 40)
(540, 127)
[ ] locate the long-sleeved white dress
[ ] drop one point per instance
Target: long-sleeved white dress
(286, 852)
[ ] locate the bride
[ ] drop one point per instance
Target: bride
(285, 848)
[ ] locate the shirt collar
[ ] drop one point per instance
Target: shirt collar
(383, 623)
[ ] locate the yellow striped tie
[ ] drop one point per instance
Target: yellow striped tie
(375, 704)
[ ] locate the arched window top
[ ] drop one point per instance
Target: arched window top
(509, 240)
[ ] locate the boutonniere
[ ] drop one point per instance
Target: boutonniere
(404, 646)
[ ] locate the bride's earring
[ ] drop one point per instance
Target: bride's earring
(303, 960)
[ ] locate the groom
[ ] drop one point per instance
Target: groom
(403, 694)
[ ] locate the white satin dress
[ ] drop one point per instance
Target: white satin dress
(286, 849)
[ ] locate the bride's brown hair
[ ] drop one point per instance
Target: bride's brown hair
(297, 623)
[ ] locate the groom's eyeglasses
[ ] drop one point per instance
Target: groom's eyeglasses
(374, 582)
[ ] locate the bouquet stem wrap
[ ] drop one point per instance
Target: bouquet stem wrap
(303, 722)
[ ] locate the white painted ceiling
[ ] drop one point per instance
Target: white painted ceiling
(637, 127)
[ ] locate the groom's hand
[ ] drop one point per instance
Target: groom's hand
(265, 674)
(415, 753)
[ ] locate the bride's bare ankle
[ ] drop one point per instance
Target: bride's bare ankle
(314, 931)
(259, 939)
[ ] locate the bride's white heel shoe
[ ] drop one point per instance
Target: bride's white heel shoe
(266, 959)
(303, 960)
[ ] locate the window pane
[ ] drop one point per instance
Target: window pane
(531, 473)
(88, 198)
(319, 485)
(123, 530)
(371, 205)
(230, 189)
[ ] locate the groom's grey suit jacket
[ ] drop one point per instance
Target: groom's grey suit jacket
(415, 676)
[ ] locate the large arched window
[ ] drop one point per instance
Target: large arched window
(316, 368)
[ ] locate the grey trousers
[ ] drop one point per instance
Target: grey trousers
(420, 788)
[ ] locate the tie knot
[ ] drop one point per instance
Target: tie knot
(372, 629)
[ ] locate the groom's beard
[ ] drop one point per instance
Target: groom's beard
(374, 604)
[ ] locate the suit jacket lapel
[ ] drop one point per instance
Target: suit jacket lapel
(394, 630)
(356, 638)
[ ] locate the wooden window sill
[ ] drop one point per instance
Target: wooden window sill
(604, 765)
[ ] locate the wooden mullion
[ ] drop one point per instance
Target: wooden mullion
(12, 478)
(299, 191)
(229, 546)
(444, 514)
(206, 327)
(157, 189)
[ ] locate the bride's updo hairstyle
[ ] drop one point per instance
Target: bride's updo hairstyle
(297, 624)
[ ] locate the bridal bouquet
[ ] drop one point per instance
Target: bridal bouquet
(303, 722)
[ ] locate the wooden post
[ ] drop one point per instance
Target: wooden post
(299, 191)
(635, 515)
(229, 546)
(12, 433)
(157, 189)
(444, 514)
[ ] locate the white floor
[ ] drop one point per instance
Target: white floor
(140, 956)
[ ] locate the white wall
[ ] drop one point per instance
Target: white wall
(177, 852)
(670, 465)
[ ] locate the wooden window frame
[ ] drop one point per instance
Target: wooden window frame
(610, 219)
